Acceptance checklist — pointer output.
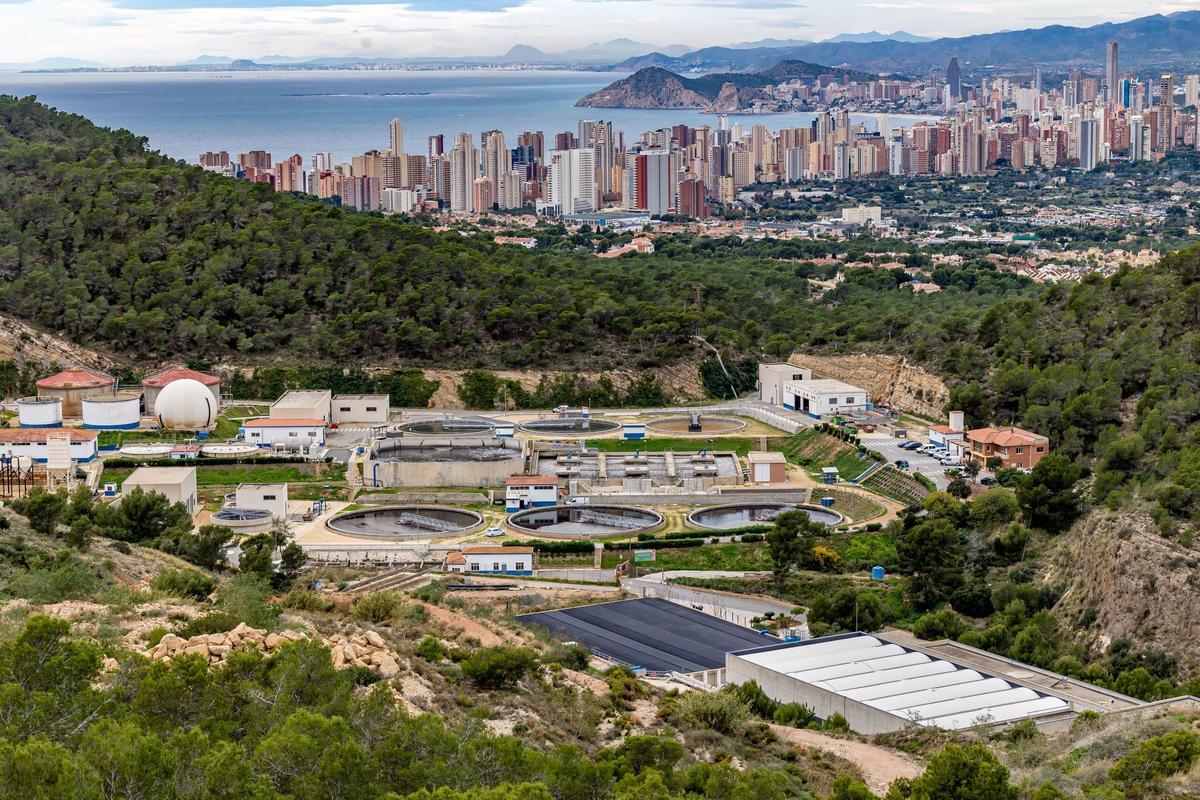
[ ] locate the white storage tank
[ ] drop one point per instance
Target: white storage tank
(40, 412)
(110, 412)
(186, 405)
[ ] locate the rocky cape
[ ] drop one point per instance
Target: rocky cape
(654, 87)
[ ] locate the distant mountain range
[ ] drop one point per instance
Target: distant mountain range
(53, 63)
(654, 87)
(1154, 42)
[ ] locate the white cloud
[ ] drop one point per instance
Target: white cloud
(137, 32)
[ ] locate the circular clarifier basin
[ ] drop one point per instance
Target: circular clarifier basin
(708, 425)
(585, 521)
(571, 426)
(228, 449)
(146, 450)
(449, 426)
(244, 520)
(742, 515)
(405, 522)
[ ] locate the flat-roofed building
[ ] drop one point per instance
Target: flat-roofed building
(530, 491)
(772, 377)
(364, 409)
(824, 397)
(33, 444)
(492, 560)
(271, 497)
(767, 467)
(177, 484)
(306, 404)
(290, 433)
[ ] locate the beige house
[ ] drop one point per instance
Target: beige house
(271, 497)
(177, 484)
(303, 404)
(360, 409)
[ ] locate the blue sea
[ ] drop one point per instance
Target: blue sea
(345, 112)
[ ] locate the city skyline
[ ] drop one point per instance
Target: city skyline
(125, 32)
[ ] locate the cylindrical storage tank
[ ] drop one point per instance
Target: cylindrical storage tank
(185, 405)
(110, 412)
(40, 412)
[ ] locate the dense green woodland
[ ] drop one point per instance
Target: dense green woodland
(115, 245)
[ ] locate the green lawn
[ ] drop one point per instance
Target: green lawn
(232, 475)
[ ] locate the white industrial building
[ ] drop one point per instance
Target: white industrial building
(33, 444)
(492, 560)
(271, 497)
(362, 409)
(818, 398)
(306, 404)
(177, 484)
(881, 686)
(772, 377)
(289, 433)
(530, 491)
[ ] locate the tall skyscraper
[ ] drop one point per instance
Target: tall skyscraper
(1111, 72)
(464, 168)
(399, 167)
(497, 160)
(572, 180)
(1089, 144)
(1166, 113)
(954, 79)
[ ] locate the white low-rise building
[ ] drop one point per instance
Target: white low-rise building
(271, 497)
(530, 491)
(492, 560)
(177, 484)
(33, 444)
(303, 404)
(772, 377)
(268, 432)
(824, 397)
(360, 409)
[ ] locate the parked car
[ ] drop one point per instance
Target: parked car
(561, 409)
(927, 448)
(901, 463)
(911, 445)
(493, 532)
(987, 480)
(951, 461)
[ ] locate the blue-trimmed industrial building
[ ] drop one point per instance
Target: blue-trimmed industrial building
(491, 561)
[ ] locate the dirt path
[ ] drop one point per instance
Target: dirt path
(465, 624)
(879, 767)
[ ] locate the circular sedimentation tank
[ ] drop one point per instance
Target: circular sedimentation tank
(708, 425)
(448, 426)
(228, 449)
(571, 426)
(146, 450)
(244, 520)
(391, 523)
(583, 522)
(741, 515)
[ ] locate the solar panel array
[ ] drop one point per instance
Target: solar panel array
(918, 687)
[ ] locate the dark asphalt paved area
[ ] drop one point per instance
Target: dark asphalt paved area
(657, 635)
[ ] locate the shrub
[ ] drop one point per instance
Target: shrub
(361, 676)
(305, 600)
(246, 599)
(376, 608)
(65, 578)
(796, 715)
(431, 649)
(217, 622)
(836, 723)
(189, 583)
(940, 624)
(1157, 758)
(572, 656)
(755, 698)
(722, 712)
(497, 667)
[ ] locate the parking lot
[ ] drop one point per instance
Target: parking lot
(918, 462)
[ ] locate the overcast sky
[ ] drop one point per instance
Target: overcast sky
(123, 32)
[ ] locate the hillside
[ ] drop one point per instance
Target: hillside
(653, 87)
(1153, 42)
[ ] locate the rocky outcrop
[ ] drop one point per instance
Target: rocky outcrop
(1123, 580)
(361, 649)
(29, 347)
(887, 379)
(647, 88)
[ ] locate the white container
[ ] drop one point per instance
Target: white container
(112, 412)
(40, 412)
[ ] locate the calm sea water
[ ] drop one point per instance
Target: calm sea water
(346, 113)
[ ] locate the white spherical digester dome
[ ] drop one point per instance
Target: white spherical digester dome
(187, 405)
